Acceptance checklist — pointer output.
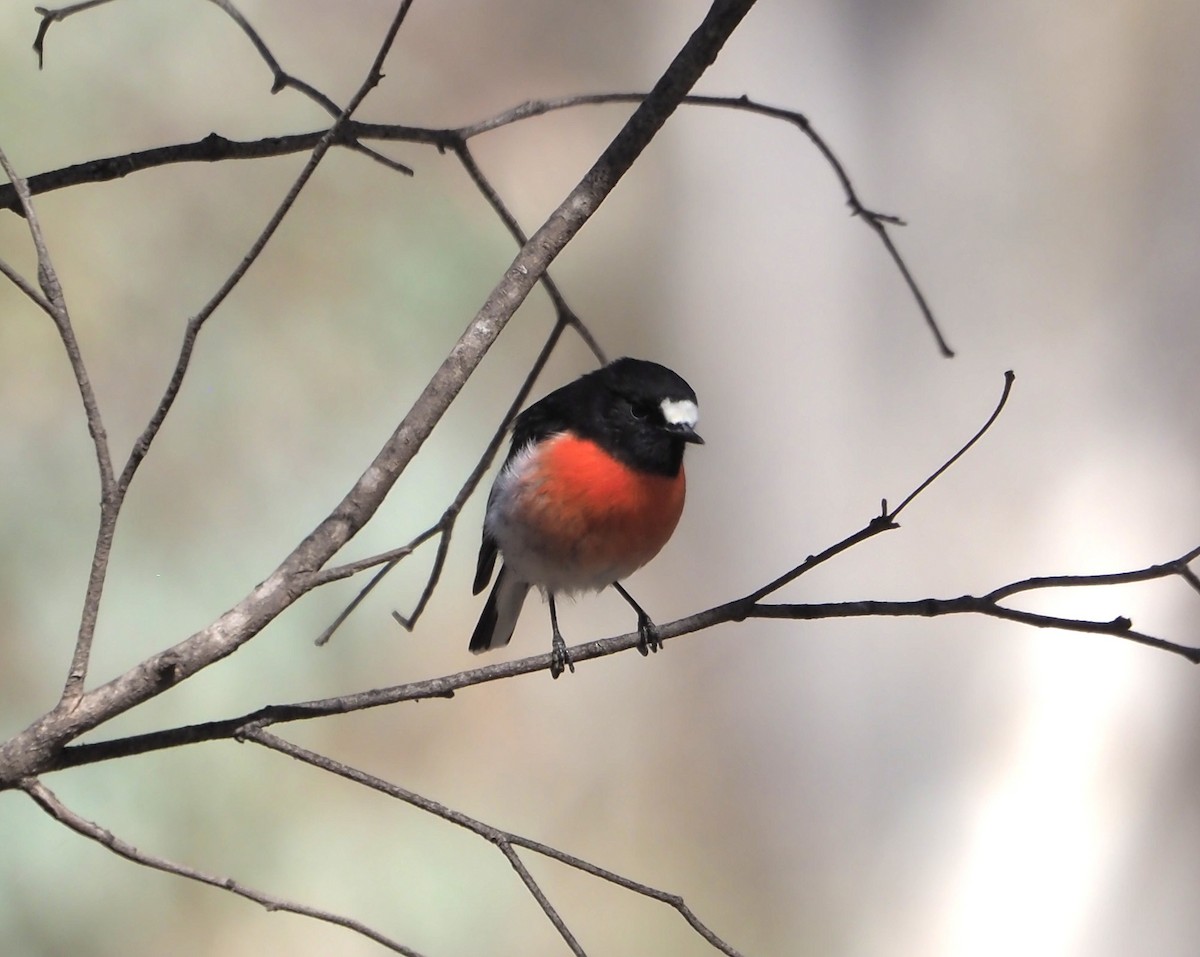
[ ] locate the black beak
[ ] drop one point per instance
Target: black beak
(685, 432)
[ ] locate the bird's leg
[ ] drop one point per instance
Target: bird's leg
(560, 657)
(648, 637)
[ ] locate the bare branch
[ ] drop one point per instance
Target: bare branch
(886, 520)
(1177, 567)
(733, 611)
(1119, 627)
(53, 296)
(109, 497)
(214, 148)
(389, 560)
(539, 895)
(281, 79)
(562, 310)
(196, 323)
(1009, 377)
(673, 900)
(27, 288)
(34, 749)
(877, 221)
(53, 16)
(49, 802)
(113, 491)
(445, 525)
(504, 840)
(210, 149)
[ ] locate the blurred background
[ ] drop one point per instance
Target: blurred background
(867, 787)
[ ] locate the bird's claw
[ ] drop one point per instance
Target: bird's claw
(648, 638)
(560, 658)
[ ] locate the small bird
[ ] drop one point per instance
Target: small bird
(592, 489)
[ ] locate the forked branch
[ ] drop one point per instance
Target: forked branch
(506, 841)
(49, 802)
(749, 606)
(33, 750)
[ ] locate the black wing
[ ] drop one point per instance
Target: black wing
(542, 419)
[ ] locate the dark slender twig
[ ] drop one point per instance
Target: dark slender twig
(504, 840)
(34, 749)
(445, 525)
(109, 496)
(539, 895)
(113, 490)
(53, 296)
(281, 79)
(673, 900)
(215, 148)
(1177, 567)
(1009, 377)
(408, 622)
(49, 802)
(886, 520)
(53, 16)
(562, 310)
(1119, 627)
(389, 560)
(877, 221)
(30, 291)
(737, 610)
(196, 322)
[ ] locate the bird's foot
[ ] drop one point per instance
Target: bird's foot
(560, 658)
(648, 638)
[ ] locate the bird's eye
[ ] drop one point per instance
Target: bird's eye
(641, 410)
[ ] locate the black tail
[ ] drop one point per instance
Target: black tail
(499, 618)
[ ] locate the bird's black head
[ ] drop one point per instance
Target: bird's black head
(643, 413)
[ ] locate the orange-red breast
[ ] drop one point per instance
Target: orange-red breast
(592, 489)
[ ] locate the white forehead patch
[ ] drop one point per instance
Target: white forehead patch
(680, 412)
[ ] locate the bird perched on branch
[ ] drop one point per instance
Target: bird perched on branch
(591, 491)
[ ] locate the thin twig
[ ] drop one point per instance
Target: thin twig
(1177, 567)
(564, 312)
(31, 751)
(504, 840)
(214, 148)
(113, 490)
(539, 895)
(878, 222)
(281, 79)
(31, 292)
(408, 622)
(1119, 627)
(444, 525)
(732, 611)
(1009, 378)
(53, 16)
(49, 802)
(886, 520)
(673, 900)
(53, 295)
(196, 322)
(109, 496)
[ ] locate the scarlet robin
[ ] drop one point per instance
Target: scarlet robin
(592, 489)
